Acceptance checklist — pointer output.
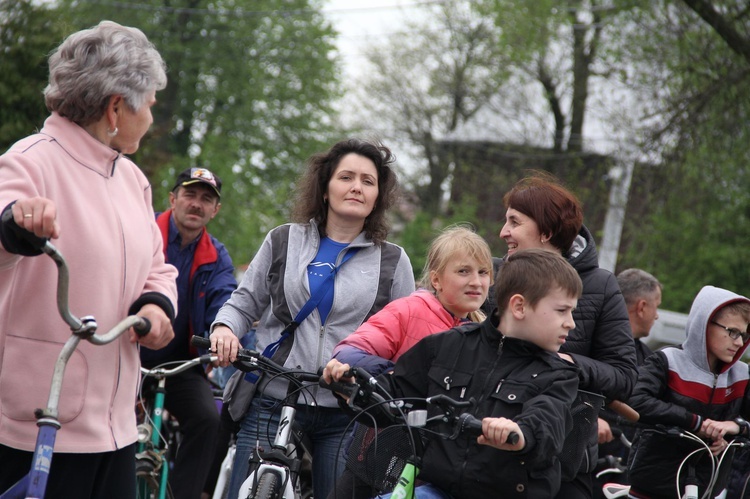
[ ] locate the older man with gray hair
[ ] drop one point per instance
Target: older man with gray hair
(642, 293)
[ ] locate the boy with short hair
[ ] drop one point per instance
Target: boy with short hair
(509, 364)
(699, 386)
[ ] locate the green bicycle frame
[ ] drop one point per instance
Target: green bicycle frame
(156, 418)
(404, 489)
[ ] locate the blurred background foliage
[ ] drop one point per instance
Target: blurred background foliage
(472, 96)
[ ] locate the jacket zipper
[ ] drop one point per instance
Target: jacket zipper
(481, 399)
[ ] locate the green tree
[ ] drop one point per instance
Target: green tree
(561, 47)
(28, 32)
(695, 228)
(250, 92)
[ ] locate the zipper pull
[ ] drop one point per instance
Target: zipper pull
(499, 385)
(447, 382)
(463, 392)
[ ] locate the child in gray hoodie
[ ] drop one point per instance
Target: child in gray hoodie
(700, 386)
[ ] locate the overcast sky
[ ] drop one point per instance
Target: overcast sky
(363, 22)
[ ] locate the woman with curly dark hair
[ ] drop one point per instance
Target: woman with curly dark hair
(339, 223)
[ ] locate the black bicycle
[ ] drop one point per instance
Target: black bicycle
(388, 460)
(686, 484)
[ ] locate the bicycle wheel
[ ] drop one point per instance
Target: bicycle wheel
(269, 486)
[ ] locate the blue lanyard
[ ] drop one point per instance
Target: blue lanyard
(307, 308)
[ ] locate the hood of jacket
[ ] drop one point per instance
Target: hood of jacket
(582, 254)
(705, 305)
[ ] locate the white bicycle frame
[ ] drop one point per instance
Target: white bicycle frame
(225, 473)
(282, 442)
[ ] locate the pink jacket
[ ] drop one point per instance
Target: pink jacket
(400, 325)
(113, 248)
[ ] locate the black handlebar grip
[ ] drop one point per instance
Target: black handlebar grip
(470, 425)
(512, 438)
(200, 342)
(346, 389)
(27, 244)
(744, 426)
(143, 327)
(473, 426)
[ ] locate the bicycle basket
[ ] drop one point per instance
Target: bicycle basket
(584, 411)
(377, 457)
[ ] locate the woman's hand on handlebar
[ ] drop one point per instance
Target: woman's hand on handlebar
(161, 332)
(495, 433)
(225, 343)
(335, 371)
(37, 215)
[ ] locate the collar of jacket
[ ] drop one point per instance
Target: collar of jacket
(205, 251)
(81, 145)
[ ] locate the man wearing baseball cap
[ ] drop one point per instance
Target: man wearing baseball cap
(205, 282)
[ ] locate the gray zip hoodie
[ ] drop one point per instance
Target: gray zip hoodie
(275, 288)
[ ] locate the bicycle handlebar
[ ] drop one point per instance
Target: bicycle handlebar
(250, 360)
(37, 243)
(366, 390)
(82, 329)
(182, 365)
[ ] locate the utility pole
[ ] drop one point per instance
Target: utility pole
(621, 177)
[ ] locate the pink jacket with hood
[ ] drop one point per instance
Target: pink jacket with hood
(399, 326)
(113, 248)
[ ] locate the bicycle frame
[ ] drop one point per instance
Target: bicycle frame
(275, 471)
(152, 469)
(222, 483)
(34, 484)
(282, 459)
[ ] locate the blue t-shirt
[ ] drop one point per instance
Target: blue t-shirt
(321, 266)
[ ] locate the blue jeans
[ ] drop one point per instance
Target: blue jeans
(425, 491)
(323, 426)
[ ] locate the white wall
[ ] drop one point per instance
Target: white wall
(668, 330)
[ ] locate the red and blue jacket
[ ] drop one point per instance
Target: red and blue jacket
(211, 283)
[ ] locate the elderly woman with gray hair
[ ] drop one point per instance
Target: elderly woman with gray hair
(71, 183)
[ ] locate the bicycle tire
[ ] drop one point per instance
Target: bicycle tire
(269, 486)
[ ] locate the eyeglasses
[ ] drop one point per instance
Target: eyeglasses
(733, 332)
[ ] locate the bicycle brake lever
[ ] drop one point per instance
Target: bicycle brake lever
(346, 390)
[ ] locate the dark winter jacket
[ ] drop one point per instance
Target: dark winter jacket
(509, 378)
(642, 351)
(211, 284)
(676, 387)
(601, 343)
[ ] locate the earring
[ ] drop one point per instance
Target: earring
(112, 133)
(544, 241)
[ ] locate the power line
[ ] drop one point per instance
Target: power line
(260, 13)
